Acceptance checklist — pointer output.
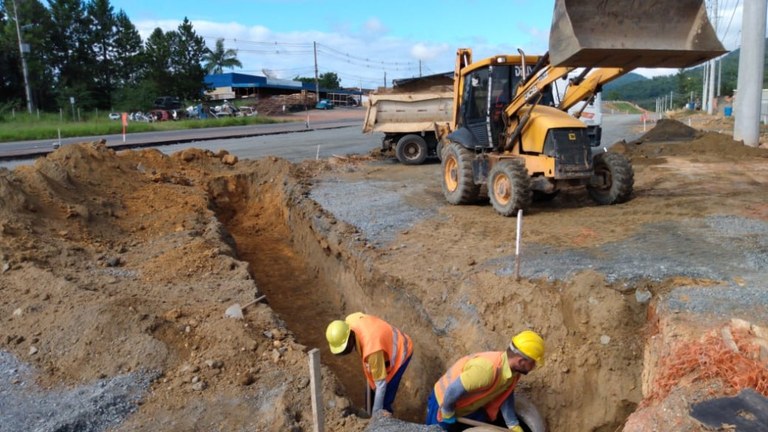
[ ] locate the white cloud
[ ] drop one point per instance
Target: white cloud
(375, 26)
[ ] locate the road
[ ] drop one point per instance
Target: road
(323, 140)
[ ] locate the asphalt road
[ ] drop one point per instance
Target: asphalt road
(295, 142)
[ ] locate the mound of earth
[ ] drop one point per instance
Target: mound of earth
(669, 130)
(116, 267)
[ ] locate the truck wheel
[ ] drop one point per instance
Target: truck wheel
(439, 150)
(618, 179)
(458, 181)
(411, 150)
(509, 187)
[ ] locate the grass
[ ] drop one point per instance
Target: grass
(622, 107)
(25, 127)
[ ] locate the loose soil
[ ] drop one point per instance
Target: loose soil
(116, 264)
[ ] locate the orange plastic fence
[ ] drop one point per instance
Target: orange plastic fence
(711, 359)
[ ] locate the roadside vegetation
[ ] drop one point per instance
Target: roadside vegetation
(23, 127)
(621, 107)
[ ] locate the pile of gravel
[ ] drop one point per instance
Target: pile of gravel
(89, 408)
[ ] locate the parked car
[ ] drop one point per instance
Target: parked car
(114, 116)
(324, 104)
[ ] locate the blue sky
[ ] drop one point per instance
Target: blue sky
(360, 41)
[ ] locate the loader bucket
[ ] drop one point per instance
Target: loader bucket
(632, 33)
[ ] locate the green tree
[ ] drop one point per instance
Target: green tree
(187, 50)
(327, 80)
(219, 58)
(157, 56)
(102, 37)
(35, 24)
(71, 53)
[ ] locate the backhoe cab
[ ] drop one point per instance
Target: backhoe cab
(510, 135)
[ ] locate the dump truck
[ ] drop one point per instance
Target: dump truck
(410, 115)
(509, 134)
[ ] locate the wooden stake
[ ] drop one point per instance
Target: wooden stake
(316, 385)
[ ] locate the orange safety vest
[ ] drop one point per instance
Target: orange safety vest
(374, 334)
(491, 408)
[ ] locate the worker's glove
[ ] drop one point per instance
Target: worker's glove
(448, 418)
(516, 428)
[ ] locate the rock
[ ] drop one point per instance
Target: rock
(275, 356)
(727, 336)
(195, 379)
(18, 312)
(32, 350)
(188, 368)
(199, 386)
(214, 364)
(6, 267)
(605, 339)
(740, 324)
(113, 262)
(229, 159)
(302, 383)
(643, 296)
(247, 379)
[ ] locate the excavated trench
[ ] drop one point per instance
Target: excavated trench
(315, 268)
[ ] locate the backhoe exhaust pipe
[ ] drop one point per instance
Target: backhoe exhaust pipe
(632, 33)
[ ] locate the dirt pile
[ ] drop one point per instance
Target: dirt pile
(114, 264)
(121, 265)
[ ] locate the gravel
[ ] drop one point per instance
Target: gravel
(659, 251)
(87, 408)
(380, 215)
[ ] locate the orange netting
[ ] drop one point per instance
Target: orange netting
(711, 359)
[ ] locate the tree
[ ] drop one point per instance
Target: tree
(102, 40)
(327, 80)
(70, 54)
(187, 49)
(219, 58)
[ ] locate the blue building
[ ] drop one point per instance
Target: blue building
(238, 86)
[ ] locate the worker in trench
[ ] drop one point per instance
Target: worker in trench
(481, 385)
(385, 352)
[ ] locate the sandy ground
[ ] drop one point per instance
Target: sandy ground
(117, 268)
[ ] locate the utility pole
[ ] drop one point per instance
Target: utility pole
(23, 48)
(385, 79)
(419, 68)
(317, 79)
(712, 70)
(705, 89)
(746, 126)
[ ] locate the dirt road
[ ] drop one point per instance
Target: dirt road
(116, 270)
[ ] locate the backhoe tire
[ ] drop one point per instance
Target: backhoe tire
(411, 150)
(619, 178)
(439, 150)
(458, 181)
(509, 187)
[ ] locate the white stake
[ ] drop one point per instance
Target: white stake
(316, 385)
(517, 243)
(317, 156)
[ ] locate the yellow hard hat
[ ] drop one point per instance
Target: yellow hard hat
(531, 345)
(337, 335)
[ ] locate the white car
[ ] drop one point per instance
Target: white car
(114, 116)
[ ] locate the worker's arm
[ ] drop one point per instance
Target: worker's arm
(377, 366)
(477, 374)
(508, 411)
(452, 394)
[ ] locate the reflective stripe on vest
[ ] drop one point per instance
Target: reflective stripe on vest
(374, 334)
(492, 407)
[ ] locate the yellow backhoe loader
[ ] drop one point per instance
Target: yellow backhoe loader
(510, 138)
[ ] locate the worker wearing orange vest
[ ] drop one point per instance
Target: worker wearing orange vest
(480, 385)
(384, 350)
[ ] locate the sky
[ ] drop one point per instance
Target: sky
(366, 43)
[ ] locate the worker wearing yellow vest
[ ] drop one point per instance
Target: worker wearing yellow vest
(480, 385)
(384, 350)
